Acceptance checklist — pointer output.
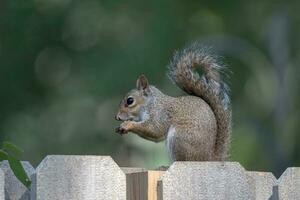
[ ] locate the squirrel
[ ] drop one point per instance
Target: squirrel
(197, 126)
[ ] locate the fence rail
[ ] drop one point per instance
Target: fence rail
(98, 177)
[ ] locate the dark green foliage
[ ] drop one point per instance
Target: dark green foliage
(11, 153)
(3, 155)
(65, 65)
(13, 149)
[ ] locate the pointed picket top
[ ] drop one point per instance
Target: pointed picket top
(78, 177)
(289, 184)
(205, 180)
(14, 189)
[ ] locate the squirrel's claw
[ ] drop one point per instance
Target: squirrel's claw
(121, 130)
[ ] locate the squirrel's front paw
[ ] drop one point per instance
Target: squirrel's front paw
(124, 128)
(121, 130)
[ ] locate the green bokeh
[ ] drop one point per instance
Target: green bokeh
(65, 65)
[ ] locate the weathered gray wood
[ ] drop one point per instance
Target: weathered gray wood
(77, 178)
(141, 184)
(205, 180)
(1, 185)
(135, 183)
(14, 189)
(289, 184)
(263, 183)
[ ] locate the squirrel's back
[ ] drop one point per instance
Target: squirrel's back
(208, 86)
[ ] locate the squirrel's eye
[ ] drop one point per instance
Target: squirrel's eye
(129, 101)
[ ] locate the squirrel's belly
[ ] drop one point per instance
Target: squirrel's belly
(170, 141)
(190, 144)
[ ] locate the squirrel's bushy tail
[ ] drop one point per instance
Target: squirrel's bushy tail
(208, 85)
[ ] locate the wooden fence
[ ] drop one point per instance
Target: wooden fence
(99, 177)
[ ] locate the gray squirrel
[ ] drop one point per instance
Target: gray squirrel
(197, 126)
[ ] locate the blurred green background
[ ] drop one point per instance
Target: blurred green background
(66, 64)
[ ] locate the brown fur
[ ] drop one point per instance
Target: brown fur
(195, 129)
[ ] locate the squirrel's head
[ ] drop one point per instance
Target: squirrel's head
(131, 107)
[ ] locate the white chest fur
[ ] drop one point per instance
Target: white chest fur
(170, 141)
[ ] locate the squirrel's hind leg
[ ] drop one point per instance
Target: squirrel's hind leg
(184, 145)
(174, 145)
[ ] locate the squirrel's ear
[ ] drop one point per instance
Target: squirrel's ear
(142, 83)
